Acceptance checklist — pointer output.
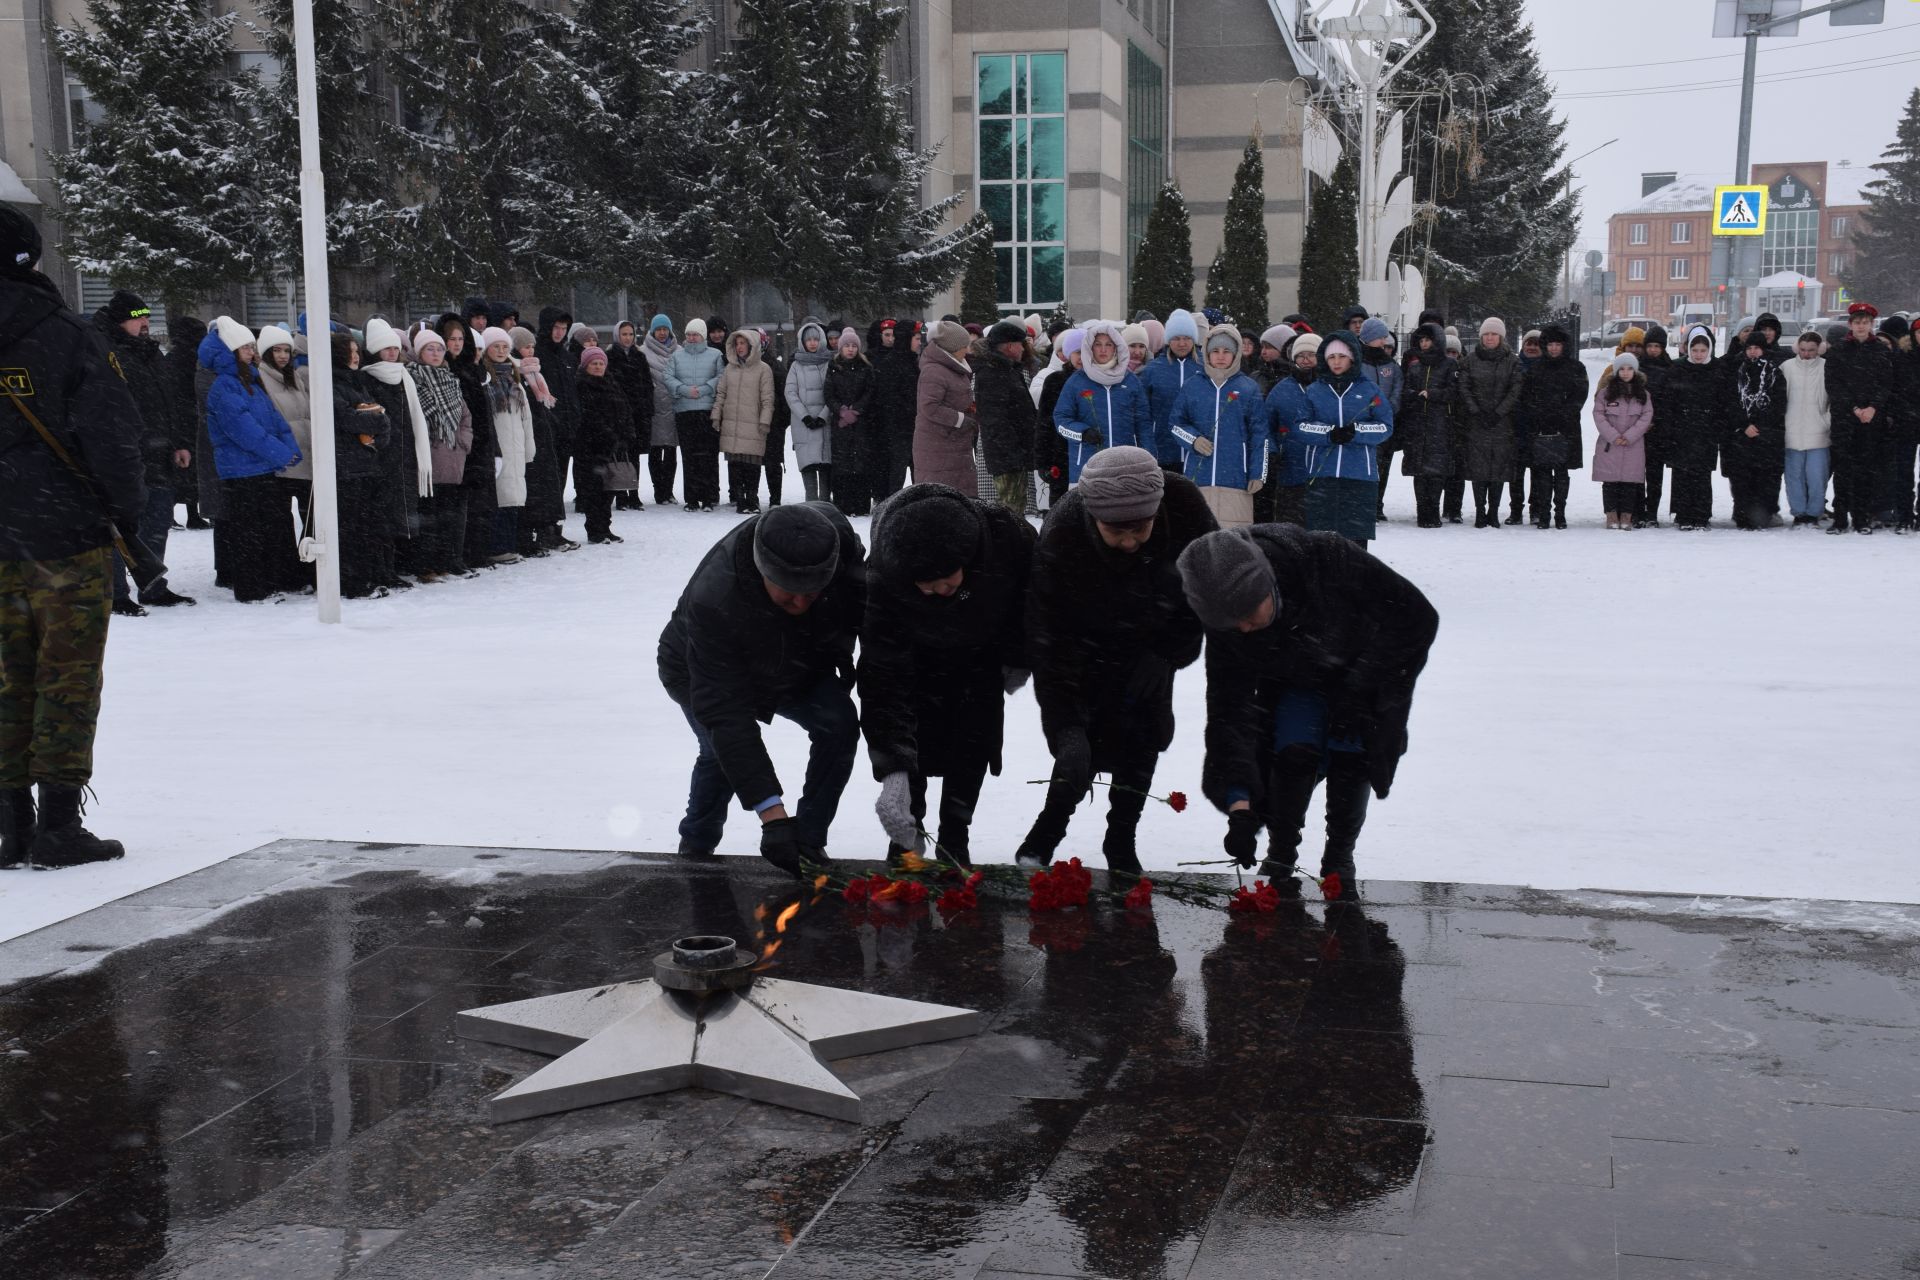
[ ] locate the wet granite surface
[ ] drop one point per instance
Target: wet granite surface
(1449, 1080)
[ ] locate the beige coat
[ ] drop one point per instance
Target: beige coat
(743, 404)
(292, 403)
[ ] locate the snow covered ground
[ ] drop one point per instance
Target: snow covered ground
(1719, 713)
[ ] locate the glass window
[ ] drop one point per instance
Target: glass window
(1636, 304)
(82, 111)
(1840, 227)
(1683, 233)
(1639, 234)
(1675, 301)
(1146, 143)
(1021, 132)
(1637, 269)
(1791, 243)
(1837, 264)
(1680, 269)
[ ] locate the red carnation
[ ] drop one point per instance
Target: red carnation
(1330, 886)
(1140, 897)
(856, 891)
(1177, 801)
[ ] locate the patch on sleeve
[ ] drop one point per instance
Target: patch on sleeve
(17, 382)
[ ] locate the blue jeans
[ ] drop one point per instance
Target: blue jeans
(827, 713)
(1807, 472)
(156, 519)
(1302, 718)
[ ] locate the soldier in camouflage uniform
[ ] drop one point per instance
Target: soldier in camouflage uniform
(56, 534)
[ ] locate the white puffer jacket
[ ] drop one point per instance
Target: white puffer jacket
(1809, 425)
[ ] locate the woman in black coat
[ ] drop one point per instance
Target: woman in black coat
(1552, 399)
(361, 429)
(896, 362)
(850, 387)
(606, 434)
(1424, 425)
(1691, 412)
(1753, 453)
(478, 478)
(627, 366)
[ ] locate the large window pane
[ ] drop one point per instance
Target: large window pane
(1022, 228)
(996, 86)
(996, 149)
(1049, 275)
(1048, 83)
(1020, 83)
(997, 201)
(1020, 148)
(1003, 273)
(1048, 220)
(1048, 152)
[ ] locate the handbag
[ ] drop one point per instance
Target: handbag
(619, 476)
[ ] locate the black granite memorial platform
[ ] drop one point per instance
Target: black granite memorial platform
(252, 1071)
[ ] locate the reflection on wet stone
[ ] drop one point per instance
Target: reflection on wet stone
(1454, 1080)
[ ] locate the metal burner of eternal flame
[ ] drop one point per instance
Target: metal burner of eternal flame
(705, 1019)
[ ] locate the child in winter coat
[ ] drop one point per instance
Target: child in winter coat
(1165, 377)
(1347, 421)
(251, 441)
(1754, 455)
(806, 393)
(1623, 413)
(1102, 404)
(1220, 421)
(850, 384)
(1809, 431)
(1287, 406)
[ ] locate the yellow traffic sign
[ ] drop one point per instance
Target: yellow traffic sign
(1739, 211)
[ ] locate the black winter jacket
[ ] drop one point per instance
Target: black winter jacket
(356, 458)
(1107, 630)
(1424, 425)
(1655, 371)
(607, 429)
(731, 657)
(1049, 446)
(1552, 400)
(477, 478)
(1005, 406)
(1691, 411)
(54, 363)
(560, 366)
(1349, 629)
(897, 385)
(1859, 376)
(150, 382)
(931, 691)
(1760, 400)
(629, 370)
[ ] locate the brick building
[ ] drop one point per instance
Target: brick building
(1660, 249)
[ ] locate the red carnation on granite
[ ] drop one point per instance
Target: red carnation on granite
(1330, 886)
(1140, 897)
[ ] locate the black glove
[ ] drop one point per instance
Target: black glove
(1093, 436)
(780, 844)
(1386, 743)
(1342, 434)
(1243, 837)
(1073, 762)
(812, 422)
(1152, 679)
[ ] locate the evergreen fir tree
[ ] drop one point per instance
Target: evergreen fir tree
(1886, 260)
(156, 195)
(1237, 280)
(1503, 215)
(1330, 250)
(1059, 315)
(980, 286)
(359, 180)
(1163, 264)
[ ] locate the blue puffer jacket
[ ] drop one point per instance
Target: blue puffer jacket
(1360, 406)
(249, 436)
(1287, 408)
(1234, 418)
(1164, 379)
(693, 365)
(1119, 411)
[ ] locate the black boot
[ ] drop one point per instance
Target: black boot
(1347, 792)
(62, 841)
(1290, 784)
(16, 825)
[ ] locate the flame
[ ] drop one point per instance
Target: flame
(780, 922)
(766, 952)
(759, 911)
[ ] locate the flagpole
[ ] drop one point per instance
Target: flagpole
(325, 534)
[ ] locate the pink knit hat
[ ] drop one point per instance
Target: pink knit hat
(589, 354)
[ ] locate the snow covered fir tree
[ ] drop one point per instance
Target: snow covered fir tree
(1163, 264)
(1888, 246)
(1237, 280)
(1330, 250)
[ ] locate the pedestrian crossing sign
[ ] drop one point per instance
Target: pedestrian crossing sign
(1739, 211)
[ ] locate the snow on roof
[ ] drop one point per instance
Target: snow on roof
(1844, 184)
(1683, 196)
(12, 190)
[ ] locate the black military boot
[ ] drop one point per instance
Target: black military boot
(16, 825)
(1347, 792)
(62, 841)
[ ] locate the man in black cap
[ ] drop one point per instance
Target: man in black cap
(166, 444)
(766, 627)
(1313, 648)
(1903, 429)
(1006, 412)
(1108, 625)
(59, 395)
(1859, 389)
(944, 641)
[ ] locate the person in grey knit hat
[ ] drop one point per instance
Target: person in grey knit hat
(1313, 648)
(766, 627)
(1122, 485)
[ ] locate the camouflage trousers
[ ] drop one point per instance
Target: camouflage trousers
(53, 639)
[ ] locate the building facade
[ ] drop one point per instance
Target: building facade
(1660, 249)
(1059, 119)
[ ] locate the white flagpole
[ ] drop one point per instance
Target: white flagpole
(313, 249)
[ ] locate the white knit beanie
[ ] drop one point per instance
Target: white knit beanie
(696, 328)
(380, 335)
(273, 336)
(1494, 324)
(232, 333)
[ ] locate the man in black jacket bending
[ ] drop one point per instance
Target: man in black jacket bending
(1313, 647)
(766, 627)
(56, 533)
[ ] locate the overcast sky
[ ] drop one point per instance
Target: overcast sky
(1844, 108)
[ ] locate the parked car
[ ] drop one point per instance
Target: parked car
(1609, 334)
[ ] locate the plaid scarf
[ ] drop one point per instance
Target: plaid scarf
(440, 397)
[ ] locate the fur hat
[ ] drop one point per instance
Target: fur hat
(233, 334)
(696, 328)
(491, 335)
(1122, 485)
(1492, 324)
(796, 547)
(950, 337)
(926, 532)
(1225, 575)
(20, 243)
(1008, 331)
(1181, 324)
(272, 336)
(380, 335)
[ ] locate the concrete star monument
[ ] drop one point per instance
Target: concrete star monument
(704, 1019)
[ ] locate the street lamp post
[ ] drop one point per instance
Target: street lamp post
(1567, 189)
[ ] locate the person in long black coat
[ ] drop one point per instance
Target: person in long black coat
(1860, 385)
(767, 626)
(183, 342)
(1006, 409)
(1108, 626)
(851, 388)
(1552, 399)
(477, 479)
(1424, 423)
(627, 366)
(1313, 650)
(1691, 411)
(944, 640)
(1754, 453)
(776, 447)
(1653, 367)
(560, 366)
(896, 359)
(362, 428)
(606, 434)
(164, 439)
